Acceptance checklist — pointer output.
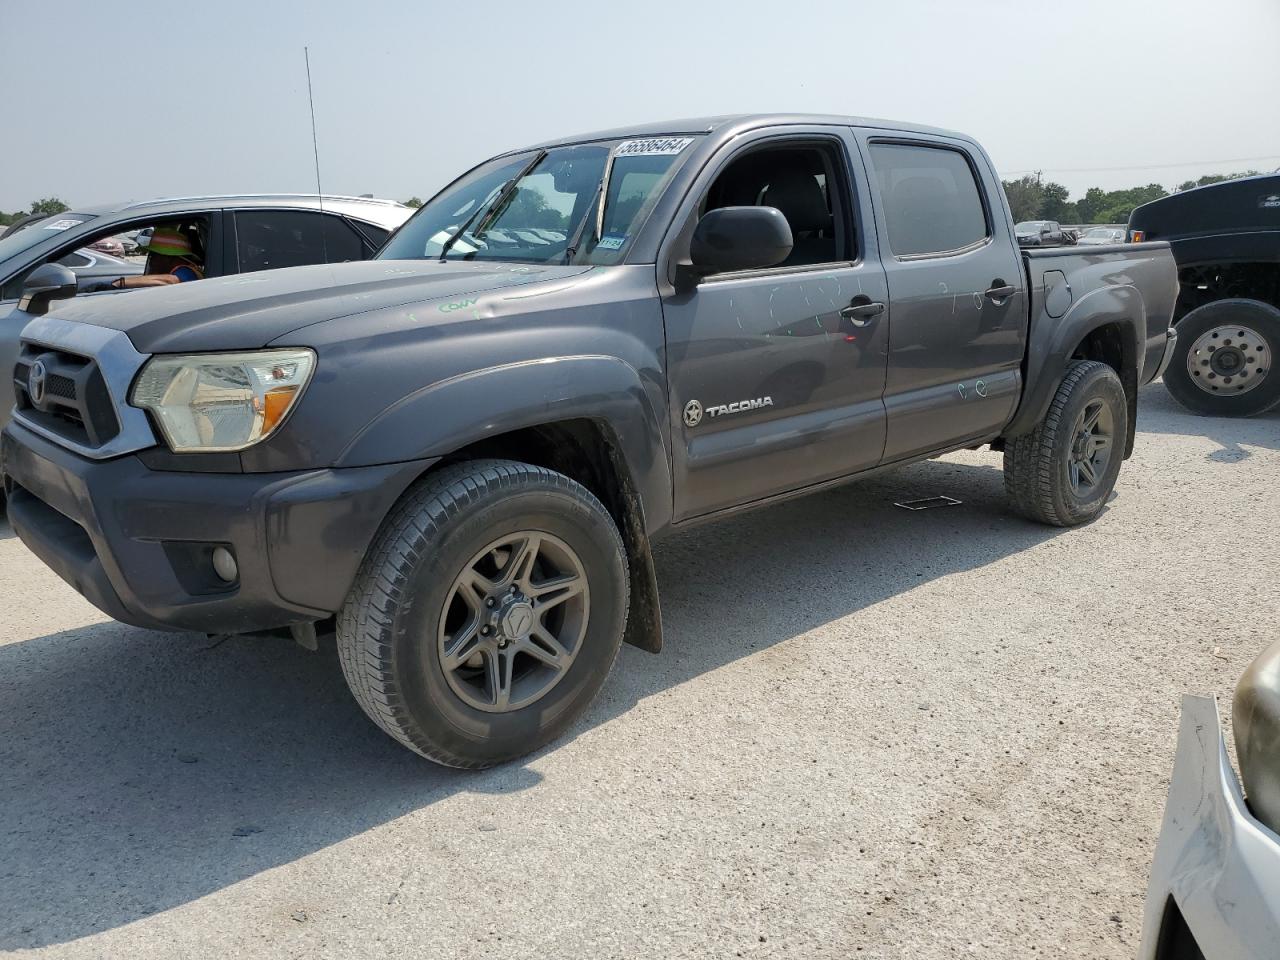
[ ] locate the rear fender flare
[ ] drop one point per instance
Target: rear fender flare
(1053, 342)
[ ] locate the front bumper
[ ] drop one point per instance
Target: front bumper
(1216, 863)
(137, 542)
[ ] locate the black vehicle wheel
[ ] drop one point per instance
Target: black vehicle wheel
(1063, 471)
(1223, 363)
(486, 614)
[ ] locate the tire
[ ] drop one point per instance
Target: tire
(400, 632)
(1226, 332)
(1039, 475)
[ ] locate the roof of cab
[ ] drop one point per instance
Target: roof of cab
(740, 123)
(368, 208)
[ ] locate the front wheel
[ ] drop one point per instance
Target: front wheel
(1222, 367)
(1063, 471)
(487, 613)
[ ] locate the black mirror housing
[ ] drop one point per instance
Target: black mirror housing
(740, 238)
(49, 281)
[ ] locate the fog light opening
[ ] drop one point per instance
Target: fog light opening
(224, 565)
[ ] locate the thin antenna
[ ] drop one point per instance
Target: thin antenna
(315, 147)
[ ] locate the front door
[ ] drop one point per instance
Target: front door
(776, 376)
(959, 303)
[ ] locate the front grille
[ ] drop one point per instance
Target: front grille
(60, 386)
(72, 400)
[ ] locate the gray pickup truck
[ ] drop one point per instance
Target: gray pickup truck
(456, 456)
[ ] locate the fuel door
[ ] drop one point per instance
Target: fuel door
(1057, 293)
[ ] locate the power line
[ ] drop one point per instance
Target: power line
(1145, 166)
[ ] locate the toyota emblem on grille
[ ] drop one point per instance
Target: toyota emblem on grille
(36, 382)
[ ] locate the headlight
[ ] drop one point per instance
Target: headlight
(222, 401)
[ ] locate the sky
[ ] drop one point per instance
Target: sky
(137, 99)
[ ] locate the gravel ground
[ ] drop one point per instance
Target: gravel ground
(873, 733)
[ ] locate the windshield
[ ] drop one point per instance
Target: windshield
(553, 213)
(38, 231)
(1029, 226)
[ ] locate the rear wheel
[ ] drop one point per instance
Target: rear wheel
(487, 614)
(1223, 364)
(1063, 471)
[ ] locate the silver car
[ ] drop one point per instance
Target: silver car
(1215, 878)
(1098, 236)
(239, 234)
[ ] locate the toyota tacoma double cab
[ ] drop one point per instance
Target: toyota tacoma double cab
(456, 456)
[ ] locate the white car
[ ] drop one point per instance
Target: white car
(1098, 236)
(1215, 879)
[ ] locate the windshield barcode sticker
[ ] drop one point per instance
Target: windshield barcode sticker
(612, 241)
(653, 147)
(62, 224)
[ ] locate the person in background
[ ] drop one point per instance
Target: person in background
(173, 256)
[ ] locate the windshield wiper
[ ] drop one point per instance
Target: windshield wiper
(493, 210)
(598, 200)
(571, 250)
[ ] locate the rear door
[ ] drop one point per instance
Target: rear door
(775, 382)
(956, 285)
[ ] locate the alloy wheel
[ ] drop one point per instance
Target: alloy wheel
(513, 622)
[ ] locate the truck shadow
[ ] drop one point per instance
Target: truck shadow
(1237, 437)
(142, 771)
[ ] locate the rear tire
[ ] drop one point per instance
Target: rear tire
(487, 613)
(1063, 471)
(1222, 364)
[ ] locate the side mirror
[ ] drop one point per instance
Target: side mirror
(1255, 711)
(739, 238)
(49, 281)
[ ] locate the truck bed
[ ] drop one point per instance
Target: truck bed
(1141, 279)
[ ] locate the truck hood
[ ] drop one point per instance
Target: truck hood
(251, 310)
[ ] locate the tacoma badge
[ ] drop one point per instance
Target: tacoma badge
(739, 406)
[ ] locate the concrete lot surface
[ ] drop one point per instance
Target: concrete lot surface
(873, 733)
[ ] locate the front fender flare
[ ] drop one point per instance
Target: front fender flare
(452, 413)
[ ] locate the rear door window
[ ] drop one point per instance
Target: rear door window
(375, 237)
(930, 197)
(270, 239)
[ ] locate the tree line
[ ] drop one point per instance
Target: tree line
(46, 207)
(1031, 198)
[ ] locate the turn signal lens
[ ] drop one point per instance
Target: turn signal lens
(275, 405)
(1137, 236)
(215, 402)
